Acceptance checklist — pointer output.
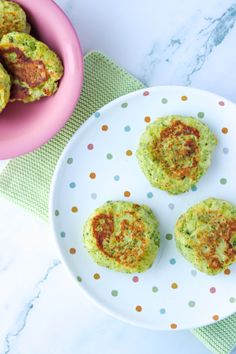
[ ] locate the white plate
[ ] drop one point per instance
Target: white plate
(171, 295)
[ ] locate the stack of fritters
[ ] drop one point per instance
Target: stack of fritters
(33, 69)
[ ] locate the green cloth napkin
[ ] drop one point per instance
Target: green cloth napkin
(26, 180)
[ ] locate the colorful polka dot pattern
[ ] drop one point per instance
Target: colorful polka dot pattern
(224, 130)
(194, 188)
(147, 119)
(128, 152)
(109, 156)
(127, 194)
(74, 209)
(164, 100)
(90, 146)
(227, 271)
(135, 279)
(69, 160)
(225, 150)
(92, 175)
(173, 326)
(201, 115)
(172, 261)
(96, 276)
(212, 290)
(223, 181)
(150, 195)
(138, 308)
(114, 293)
(169, 237)
(154, 289)
(104, 128)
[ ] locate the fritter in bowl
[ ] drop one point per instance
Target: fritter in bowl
(175, 151)
(122, 236)
(206, 235)
(5, 85)
(12, 18)
(35, 69)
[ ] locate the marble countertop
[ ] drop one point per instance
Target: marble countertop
(161, 42)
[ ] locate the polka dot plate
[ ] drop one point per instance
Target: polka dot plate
(99, 164)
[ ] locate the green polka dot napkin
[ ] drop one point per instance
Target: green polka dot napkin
(26, 180)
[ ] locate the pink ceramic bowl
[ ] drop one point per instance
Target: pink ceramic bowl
(25, 127)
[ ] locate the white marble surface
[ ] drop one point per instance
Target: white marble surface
(188, 42)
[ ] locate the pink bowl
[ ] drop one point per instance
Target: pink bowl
(25, 127)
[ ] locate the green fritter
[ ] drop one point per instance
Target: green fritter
(206, 235)
(35, 69)
(5, 85)
(122, 236)
(12, 18)
(175, 152)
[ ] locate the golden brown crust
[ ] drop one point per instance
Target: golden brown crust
(221, 231)
(103, 227)
(33, 72)
(12, 20)
(188, 150)
(122, 236)
(113, 244)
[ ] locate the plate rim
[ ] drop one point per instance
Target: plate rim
(52, 223)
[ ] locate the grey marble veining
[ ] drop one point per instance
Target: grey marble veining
(23, 316)
(163, 43)
(186, 54)
(212, 36)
